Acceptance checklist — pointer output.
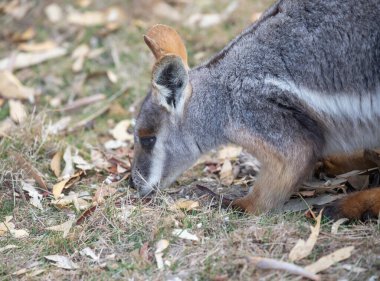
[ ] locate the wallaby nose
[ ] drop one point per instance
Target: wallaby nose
(131, 183)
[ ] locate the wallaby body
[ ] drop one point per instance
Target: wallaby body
(301, 83)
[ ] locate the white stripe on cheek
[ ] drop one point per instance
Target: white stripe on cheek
(158, 160)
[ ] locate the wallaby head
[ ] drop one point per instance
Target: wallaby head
(162, 149)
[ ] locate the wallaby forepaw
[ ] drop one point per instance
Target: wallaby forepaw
(244, 205)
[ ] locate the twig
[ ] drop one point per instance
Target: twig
(88, 119)
(99, 112)
(225, 201)
(23, 164)
(83, 102)
(266, 263)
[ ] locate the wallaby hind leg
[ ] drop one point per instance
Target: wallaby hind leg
(362, 205)
(279, 176)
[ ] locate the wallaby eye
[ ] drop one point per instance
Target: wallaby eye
(147, 142)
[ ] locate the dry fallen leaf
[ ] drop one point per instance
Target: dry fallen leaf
(64, 184)
(204, 20)
(229, 152)
(59, 126)
(8, 247)
(331, 259)
(37, 47)
(68, 171)
(90, 18)
(112, 76)
(54, 13)
(55, 164)
(335, 226)
(35, 196)
(17, 111)
(209, 20)
(8, 226)
(11, 87)
(62, 262)
(164, 10)
(18, 9)
(226, 173)
(90, 253)
(120, 132)
(120, 169)
(266, 263)
(83, 3)
(4, 225)
(22, 60)
(82, 164)
(125, 212)
(64, 227)
(94, 53)
(184, 234)
(99, 160)
(71, 199)
(307, 193)
(58, 188)
(184, 204)
(115, 16)
(6, 126)
(160, 247)
(103, 192)
(112, 15)
(303, 248)
(114, 144)
(26, 35)
(79, 55)
(19, 233)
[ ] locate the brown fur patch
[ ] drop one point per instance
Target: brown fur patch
(359, 205)
(342, 163)
(279, 176)
(142, 133)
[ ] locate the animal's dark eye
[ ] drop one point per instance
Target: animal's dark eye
(147, 142)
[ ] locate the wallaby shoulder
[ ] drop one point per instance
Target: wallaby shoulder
(328, 46)
(306, 67)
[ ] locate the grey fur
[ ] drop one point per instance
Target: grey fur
(330, 49)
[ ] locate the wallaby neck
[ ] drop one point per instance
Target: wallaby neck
(207, 113)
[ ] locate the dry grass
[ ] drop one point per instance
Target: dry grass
(126, 245)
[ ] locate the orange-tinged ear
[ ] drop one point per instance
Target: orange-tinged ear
(163, 40)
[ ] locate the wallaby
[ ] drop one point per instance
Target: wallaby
(301, 83)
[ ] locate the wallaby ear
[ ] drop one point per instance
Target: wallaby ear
(170, 81)
(163, 40)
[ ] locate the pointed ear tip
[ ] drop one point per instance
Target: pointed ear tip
(146, 38)
(152, 45)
